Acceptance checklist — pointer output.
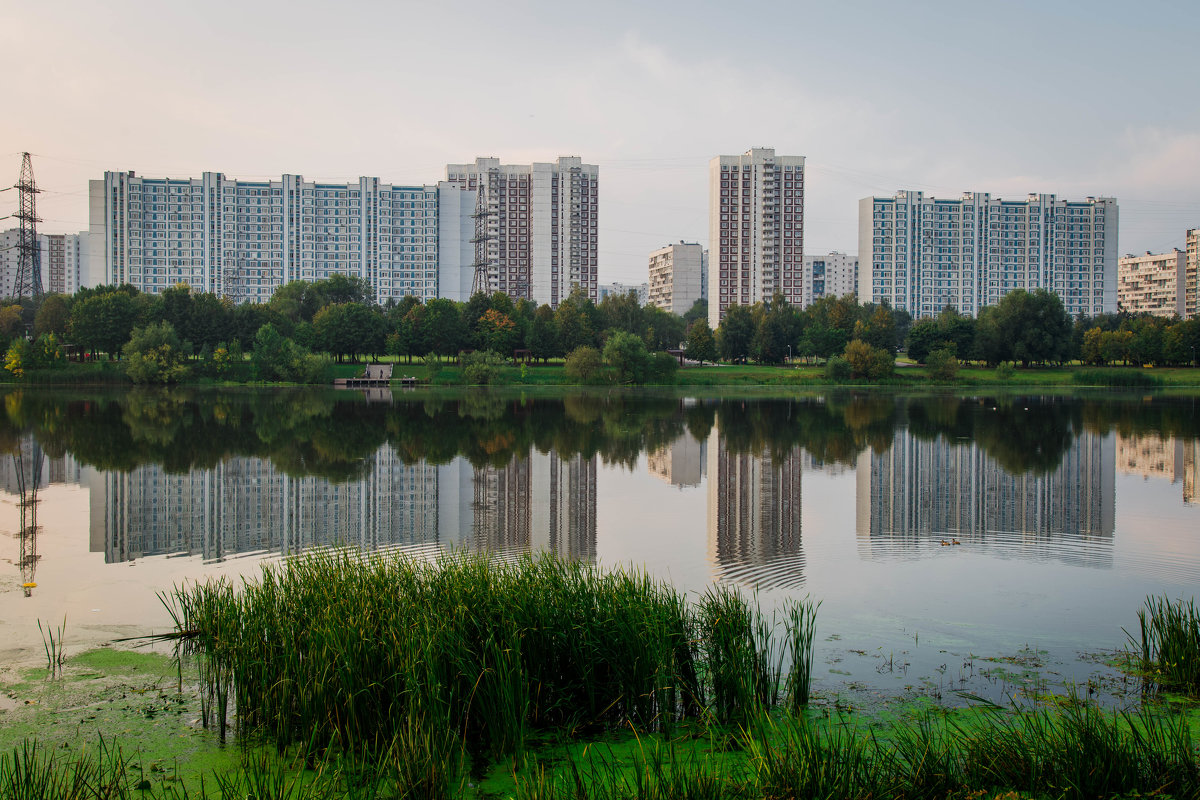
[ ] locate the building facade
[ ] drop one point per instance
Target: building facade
(641, 290)
(1152, 284)
(756, 230)
(63, 258)
(677, 274)
(535, 227)
(829, 275)
(921, 254)
(245, 239)
(1191, 281)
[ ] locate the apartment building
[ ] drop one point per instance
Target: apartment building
(677, 274)
(244, 239)
(756, 230)
(1152, 284)
(535, 226)
(921, 254)
(1191, 287)
(63, 258)
(641, 290)
(829, 275)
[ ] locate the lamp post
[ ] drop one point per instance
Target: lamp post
(790, 354)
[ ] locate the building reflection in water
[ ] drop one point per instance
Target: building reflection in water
(681, 463)
(245, 506)
(922, 492)
(1152, 456)
(754, 515)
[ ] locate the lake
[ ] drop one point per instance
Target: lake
(960, 543)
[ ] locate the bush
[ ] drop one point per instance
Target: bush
(1005, 371)
(626, 353)
(866, 361)
(583, 364)
(942, 365)
(432, 363)
(153, 355)
(838, 369)
(481, 367)
(662, 369)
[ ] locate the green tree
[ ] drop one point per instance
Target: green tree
(626, 353)
(349, 329)
(698, 311)
(663, 330)
(541, 339)
(52, 315)
(443, 328)
(574, 323)
(878, 329)
(774, 331)
(701, 345)
(103, 322)
(153, 355)
(735, 333)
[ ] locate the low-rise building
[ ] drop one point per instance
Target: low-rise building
(830, 275)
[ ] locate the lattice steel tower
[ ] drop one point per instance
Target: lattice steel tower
(28, 281)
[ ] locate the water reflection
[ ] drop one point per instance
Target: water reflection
(226, 474)
(1151, 456)
(929, 493)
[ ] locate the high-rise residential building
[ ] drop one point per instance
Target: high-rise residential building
(1191, 286)
(829, 275)
(756, 230)
(63, 258)
(680, 463)
(245, 239)
(1152, 284)
(921, 254)
(677, 274)
(535, 228)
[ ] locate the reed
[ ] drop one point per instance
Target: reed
(801, 625)
(1168, 650)
(52, 643)
(337, 648)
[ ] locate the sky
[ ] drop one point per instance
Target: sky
(1009, 97)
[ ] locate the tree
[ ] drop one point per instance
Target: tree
(701, 345)
(942, 364)
(153, 355)
(541, 338)
(103, 322)
(774, 330)
(663, 330)
(924, 337)
(878, 330)
(1092, 351)
(10, 321)
(574, 323)
(626, 353)
(698, 311)
(623, 313)
(348, 329)
(498, 332)
(735, 333)
(443, 328)
(866, 361)
(52, 315)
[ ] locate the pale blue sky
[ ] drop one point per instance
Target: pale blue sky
(1072, 98)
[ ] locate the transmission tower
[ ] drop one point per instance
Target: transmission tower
(28, 503)
(28, 281)
(481, 282)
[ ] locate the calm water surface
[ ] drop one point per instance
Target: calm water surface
(983, 543)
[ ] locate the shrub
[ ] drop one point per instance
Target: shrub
(1005, 371)
(583, 364)
(1115, 377)
(626, 353)
(481, 367)
(662, 369)
(153, 355)
(866, 361)
(838, 369)
(942, 365)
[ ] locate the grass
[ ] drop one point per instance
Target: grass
(1167, 652)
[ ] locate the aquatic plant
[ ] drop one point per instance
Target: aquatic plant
(1168, 650)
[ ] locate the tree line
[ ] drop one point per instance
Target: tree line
(305, 327)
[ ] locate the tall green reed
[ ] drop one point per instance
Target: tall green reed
(1168, 650)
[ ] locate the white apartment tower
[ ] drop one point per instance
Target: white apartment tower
(829, 275)
(63, 259)
(245, 239)
(921, 254)
(535, 227)
(677, 276)
(1191, 286)
(756, 230)
(1152, 284)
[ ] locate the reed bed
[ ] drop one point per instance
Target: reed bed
(1168, 651)
(335, 648)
